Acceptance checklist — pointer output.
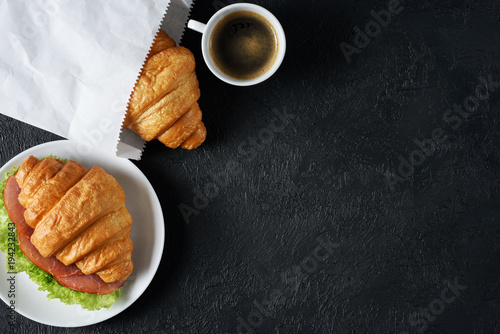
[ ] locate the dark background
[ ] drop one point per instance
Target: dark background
(396, 245)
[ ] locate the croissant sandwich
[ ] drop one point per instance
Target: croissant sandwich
(72, 223)
(164, 103)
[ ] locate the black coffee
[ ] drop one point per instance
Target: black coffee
(243, 45)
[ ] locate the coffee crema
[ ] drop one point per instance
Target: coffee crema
(243, 45)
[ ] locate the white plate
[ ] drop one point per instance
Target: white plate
(148, 235)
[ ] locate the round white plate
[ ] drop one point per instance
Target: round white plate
(148, 235)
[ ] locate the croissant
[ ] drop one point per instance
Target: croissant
(164, 103)
(77, 216)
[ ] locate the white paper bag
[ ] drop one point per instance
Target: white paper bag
(69, 67)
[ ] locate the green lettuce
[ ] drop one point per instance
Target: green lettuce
(45, 281)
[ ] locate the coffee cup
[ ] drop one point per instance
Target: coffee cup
(242, 44)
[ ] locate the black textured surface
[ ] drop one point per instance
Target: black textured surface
(395, 240)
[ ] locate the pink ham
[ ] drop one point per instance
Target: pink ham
(50, 264)
(14, 209)
(89, 284)
(68, 276)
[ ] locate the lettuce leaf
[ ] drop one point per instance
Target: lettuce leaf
(44, 280)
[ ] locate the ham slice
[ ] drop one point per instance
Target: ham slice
(49, 264)
(89, 284)
(68, 276)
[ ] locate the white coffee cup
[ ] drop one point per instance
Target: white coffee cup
(206, 30)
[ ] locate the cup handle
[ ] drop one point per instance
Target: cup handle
(196, 26)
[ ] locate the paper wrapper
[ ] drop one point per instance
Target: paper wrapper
(69, 67)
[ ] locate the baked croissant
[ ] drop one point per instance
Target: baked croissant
(78, 216)
(164, 103)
